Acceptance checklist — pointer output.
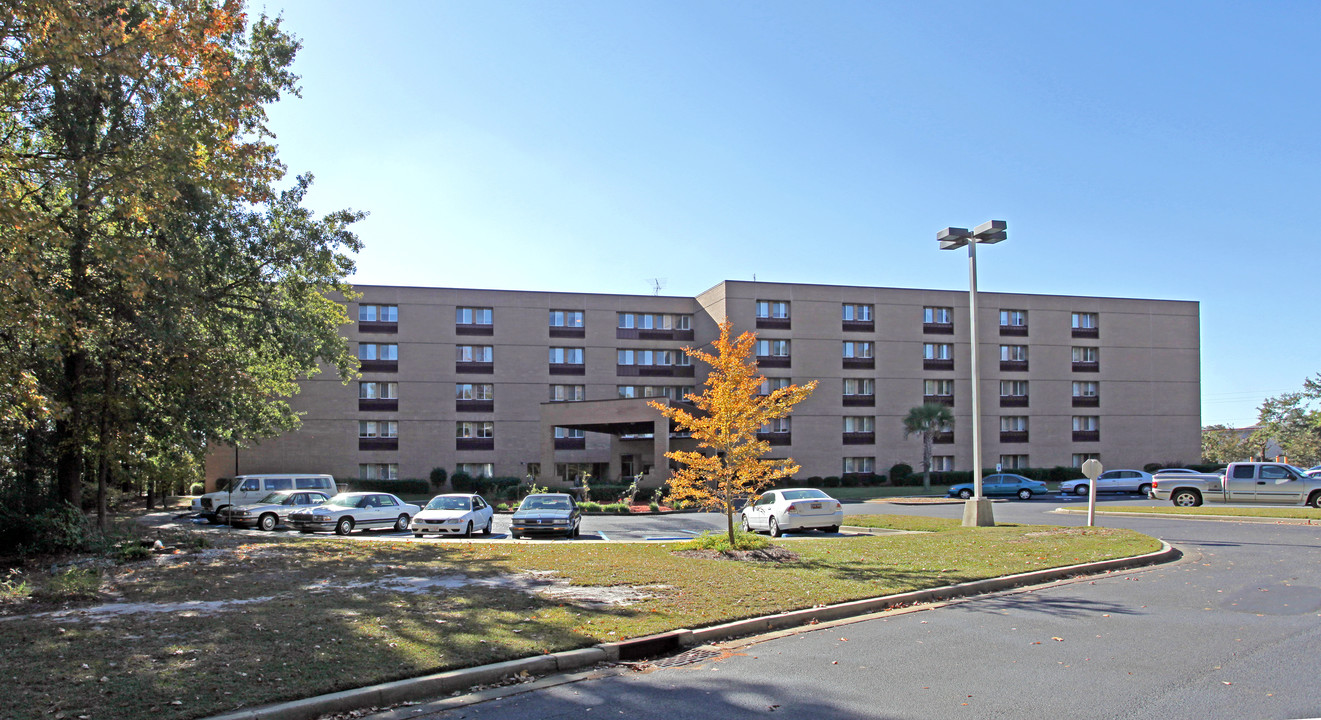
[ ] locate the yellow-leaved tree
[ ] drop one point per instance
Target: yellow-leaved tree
(729, 463)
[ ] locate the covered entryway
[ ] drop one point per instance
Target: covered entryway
(628, 421)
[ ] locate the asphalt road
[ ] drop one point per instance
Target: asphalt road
(1230, 631)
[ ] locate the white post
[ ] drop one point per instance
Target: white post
(977, 510)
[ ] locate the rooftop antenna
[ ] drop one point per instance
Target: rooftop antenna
(656, 285)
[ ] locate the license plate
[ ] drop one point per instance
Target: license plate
(816, 506)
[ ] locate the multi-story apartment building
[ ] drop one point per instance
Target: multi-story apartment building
(511, 383)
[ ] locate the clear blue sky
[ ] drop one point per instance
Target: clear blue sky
(1137, 149)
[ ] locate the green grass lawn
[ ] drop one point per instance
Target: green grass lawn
(1224, 510)
(292, 618)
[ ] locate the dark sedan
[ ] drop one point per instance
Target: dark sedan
(547, 514)
(1002, 484)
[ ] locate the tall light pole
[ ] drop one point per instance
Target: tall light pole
(977, 511)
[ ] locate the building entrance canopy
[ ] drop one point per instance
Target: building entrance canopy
(618, 418)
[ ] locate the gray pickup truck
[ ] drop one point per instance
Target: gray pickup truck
(1262, 483)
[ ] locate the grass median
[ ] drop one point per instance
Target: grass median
(249, 622)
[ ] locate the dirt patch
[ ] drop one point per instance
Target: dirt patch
(770, 554)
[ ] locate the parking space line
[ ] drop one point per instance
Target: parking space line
(603, 536)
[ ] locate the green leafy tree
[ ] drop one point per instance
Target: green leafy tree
(1290, 421)
(1224, 444)
(925, 421)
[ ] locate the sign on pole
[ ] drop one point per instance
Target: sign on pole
(1092, 469)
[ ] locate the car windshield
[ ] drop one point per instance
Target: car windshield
(222, 485)
(276, 498)
(344, 501)
(805, 495)
(545, 503)
(449, 503)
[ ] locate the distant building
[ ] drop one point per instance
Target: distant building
(554, 385)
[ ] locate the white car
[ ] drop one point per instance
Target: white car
(454, 514)
(1129, 481)
(778, 511)
(347, 511)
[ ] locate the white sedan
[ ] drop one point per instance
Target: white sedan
(347, 511)
(777, 511)
(454, 514)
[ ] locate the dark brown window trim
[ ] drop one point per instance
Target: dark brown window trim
(1013, 330)
(474, 330)
(566, 369)
(651, 334)
(474, 405)
(1087, 401)
(571, 443)
(474, 443)
(475, 368)
(859, 326)
(1013, 366)
(939, 399)
(1087, 367)
(379, 328)
(655, 371)
(776, 438)
(938, 328)
(859, 438)
(377, 405)
(943, 438)
(774, 323)
(859, 401)
(933, 364)
(1013, 401)
(1087, 436)
(378, 443)
(568, 332)
(1015, 436)
(773, 361)
(380, 366)
(1087, 332)
(859, 363)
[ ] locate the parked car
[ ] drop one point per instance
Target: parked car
(1244, 482)
(271, 510)
(777, 511)
(547, 514)
(454, 514)
(1126, 481)
(248, 489)
(1314, 471)
(1186, 471)
(1002, 484)
(347, 511)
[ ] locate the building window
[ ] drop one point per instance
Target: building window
(1089, 388)
(562, 433)
(653, 357)
(378, 391)
(942, 463)
(771, 384)
(938, 388)
(1013, 353)
(476, 470)
(566, 356)
(472, 316)
(857, 313)
(474, 391)
(378, 429)
(1080, 458)
(778, 425)
(673, 392)
(1013, 393)
(858, 349)
(567, 393)
(474, 429)
(1086, 423)
(1013, 423)
(859, 386)
(378, 471)
(859, 423)
(1084, 321)
(773, 309)
(773, 348)
(475, 354)
(1085, 354)
(854, 465)
(655, 321)
(1013, 318)
(566, 318)
(378, 313)
(937, 351)
(378, 351)
(937, 316)
(1014, 462)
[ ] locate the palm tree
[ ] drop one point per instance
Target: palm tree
(927, 420)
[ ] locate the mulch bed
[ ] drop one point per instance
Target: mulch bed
(770, 554)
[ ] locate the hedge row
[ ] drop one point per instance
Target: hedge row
(397, 487)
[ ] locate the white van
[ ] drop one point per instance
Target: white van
(248, 489)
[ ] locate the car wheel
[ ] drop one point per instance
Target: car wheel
(468, 532)
(515, 535)
(304, 529)
(774, 527)
(215, 519)
(401, 524)
(965, 493)
(578, 530)
(744, 522)
(832, 529)
(1186, 498)
(1080, 490)
(487, 530)
(268, 522)
(1024, 494)
(1315, 500)
(1144, 489)
(344, 526)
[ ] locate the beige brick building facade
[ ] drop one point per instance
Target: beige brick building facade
(515, 383)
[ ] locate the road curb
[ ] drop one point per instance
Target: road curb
(431, 686)
(1189, 516)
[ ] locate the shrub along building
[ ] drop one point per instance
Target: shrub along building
(555, 385)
